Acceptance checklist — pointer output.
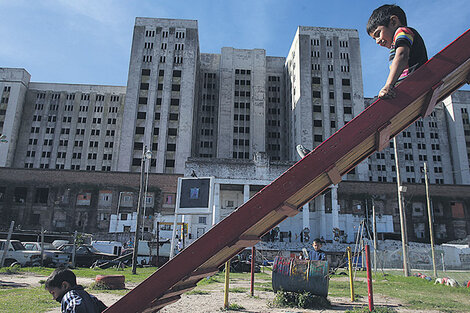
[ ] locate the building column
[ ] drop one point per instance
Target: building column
(334, 206)
(216, 205)
(322, 216)
(246, 192)
(306, 217)
(319, 230)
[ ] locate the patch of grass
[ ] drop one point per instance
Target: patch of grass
(267, 286)
(413, 292)
(342, 289)
(217, 278)
(304, 300)
(15, 269)
(238, 290)
(233, 307)
(26, 300)
(198, 292)
(142, 273)
(377, 309)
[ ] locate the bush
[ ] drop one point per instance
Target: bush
(304, 300)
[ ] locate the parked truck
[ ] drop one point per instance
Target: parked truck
(16, 253)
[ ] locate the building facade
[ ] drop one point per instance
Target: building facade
(240, 110)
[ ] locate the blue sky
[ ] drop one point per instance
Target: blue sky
(89, 41)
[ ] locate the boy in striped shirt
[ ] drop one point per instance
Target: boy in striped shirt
(388, 26)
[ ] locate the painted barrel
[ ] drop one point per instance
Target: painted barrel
(295, 275)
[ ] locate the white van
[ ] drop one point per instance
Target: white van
(147, 253)
(112, 247)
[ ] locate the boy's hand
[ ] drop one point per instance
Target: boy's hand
(387, 92)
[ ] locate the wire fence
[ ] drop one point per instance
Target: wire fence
(449, 262)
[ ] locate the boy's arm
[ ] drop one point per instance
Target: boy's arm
(399, 63)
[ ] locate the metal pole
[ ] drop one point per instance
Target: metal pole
(402, 213)
(443, 265)
(74, 248)
(431, 232)
(7, 244)
(252, 287)
(351, 282)
(42, 246)
(158, 243)
(145, 198)
(374, 230)
(117, 215)
(227, 283)
(139, 202)
(173, 235)
(369, 280)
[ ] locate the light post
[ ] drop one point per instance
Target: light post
(117, 216)
(146, 154)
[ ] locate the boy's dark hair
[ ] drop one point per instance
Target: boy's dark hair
(318, 240)
(381, 16)
(60, 275)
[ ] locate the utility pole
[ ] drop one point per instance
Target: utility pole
(139, 203)
(7, 244)
(374, 230)
(430, 217)
(404, 238)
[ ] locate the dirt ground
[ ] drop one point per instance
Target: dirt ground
(214, 301)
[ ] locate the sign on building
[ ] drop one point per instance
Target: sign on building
(194, 195)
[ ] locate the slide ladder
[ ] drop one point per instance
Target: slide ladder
(367, 133)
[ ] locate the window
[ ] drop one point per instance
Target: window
(139, 130)
(145, 72)
(346, 96)
(316, 80)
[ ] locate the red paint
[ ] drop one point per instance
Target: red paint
(252, 287)
(369, 280)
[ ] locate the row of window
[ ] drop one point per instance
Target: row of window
(329, 43)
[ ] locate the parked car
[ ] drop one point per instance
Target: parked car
(52, 256)
(86, 255)
(16, 253)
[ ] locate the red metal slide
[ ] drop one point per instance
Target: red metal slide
(368, 132)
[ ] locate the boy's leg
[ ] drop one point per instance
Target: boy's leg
(302, 151)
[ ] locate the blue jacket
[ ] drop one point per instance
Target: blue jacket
(317, 255)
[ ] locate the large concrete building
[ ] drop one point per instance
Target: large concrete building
(237, 116)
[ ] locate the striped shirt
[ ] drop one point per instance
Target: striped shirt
(409, 37)
(77, 300)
